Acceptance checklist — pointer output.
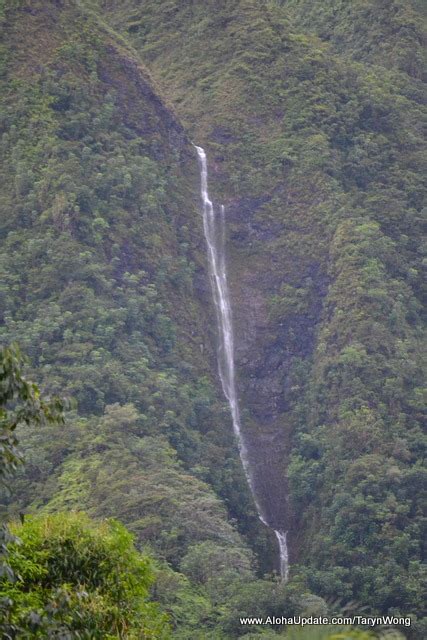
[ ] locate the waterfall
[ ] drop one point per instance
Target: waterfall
(214, 229)
(283, 551)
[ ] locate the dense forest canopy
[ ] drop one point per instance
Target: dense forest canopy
(311, 117)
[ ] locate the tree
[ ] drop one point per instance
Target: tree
(63, 575)
(20, 403)
(80, 578)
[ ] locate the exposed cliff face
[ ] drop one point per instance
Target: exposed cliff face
(271, 344)
(268, 346)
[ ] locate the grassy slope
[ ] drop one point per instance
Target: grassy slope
(318, 160)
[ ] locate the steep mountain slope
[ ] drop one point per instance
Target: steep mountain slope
(317, 157)
(385, 33)
(104, 285)
(314, 147)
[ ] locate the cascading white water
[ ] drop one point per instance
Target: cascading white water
(214, 228)
(283, 551)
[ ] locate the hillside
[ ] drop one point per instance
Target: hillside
(311, 120)
(316, 152)
(104, 286)
(387, 34)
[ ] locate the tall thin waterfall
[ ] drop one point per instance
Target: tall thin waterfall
(214, 228)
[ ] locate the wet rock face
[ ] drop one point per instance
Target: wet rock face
(267, 345)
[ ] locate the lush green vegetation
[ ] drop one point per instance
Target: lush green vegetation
(106, 315)
(63, 576)
(20, 403)
(388, 34)
(310, 114)
(79, 578)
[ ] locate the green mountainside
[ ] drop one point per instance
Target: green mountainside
(318, 160)
(386, 33)
(311, 116)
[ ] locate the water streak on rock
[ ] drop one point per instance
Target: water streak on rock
(214, 229)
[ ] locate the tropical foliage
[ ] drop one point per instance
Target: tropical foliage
(310, 114)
